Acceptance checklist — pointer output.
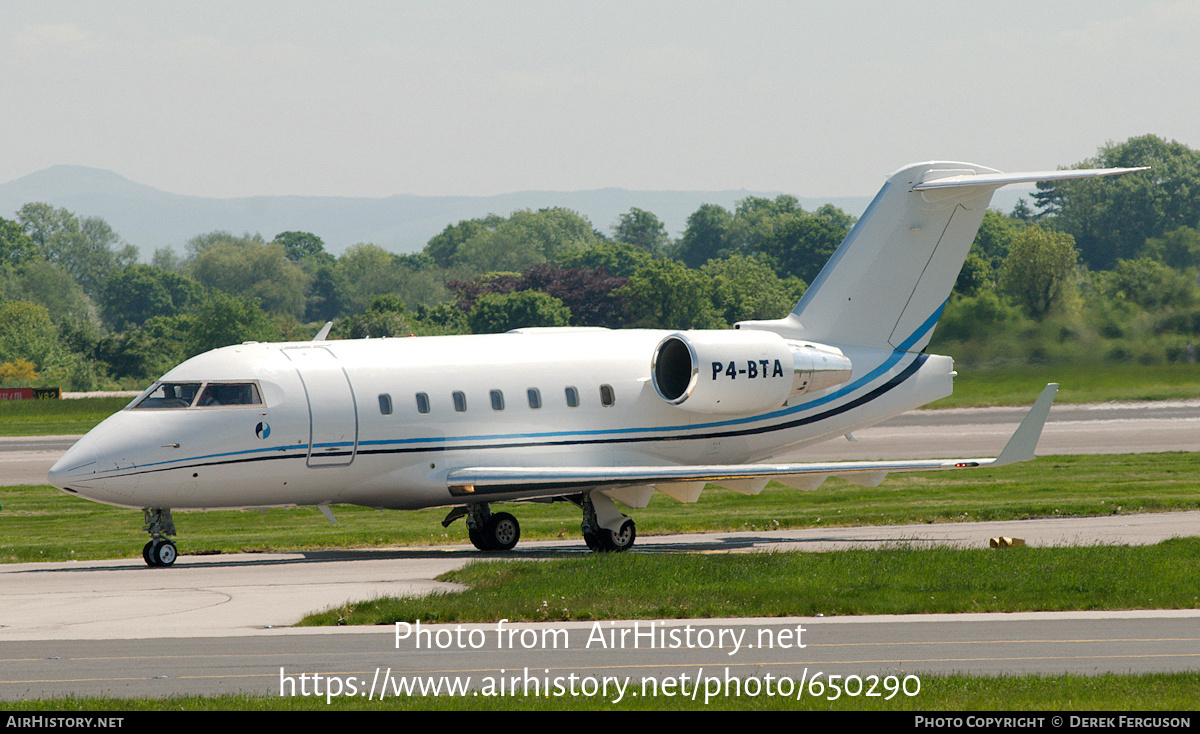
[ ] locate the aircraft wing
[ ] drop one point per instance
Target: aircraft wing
(684, 482)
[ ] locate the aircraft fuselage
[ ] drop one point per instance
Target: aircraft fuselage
(381, 422)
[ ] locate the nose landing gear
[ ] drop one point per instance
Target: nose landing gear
(160, 551)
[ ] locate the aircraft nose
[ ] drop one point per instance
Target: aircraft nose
(76, 466)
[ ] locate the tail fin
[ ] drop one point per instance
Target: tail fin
(887, 283)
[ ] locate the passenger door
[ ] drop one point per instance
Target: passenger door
(332, 411)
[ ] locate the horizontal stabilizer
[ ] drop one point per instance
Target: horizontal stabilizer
(1004, 179)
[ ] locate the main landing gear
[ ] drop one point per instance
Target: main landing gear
(604, 528)
(492, 532)
(160, 551)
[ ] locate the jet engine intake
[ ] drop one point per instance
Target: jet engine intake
(739, 372)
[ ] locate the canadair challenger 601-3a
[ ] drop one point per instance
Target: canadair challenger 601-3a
(590, 416)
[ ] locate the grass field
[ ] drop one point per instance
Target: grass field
(1078, 384)
(55, 417)
(956, 693)
(900, 580)
(41, 523)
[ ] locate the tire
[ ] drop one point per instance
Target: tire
(478, 539)
(146, 553)
(620, 541)
(502, 532)
(592, 540)
(163, 553)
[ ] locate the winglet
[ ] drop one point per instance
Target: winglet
(1023, 442)
(324, 332)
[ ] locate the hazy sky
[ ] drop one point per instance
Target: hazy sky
(364, 98)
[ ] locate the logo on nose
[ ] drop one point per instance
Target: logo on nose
(262, 430)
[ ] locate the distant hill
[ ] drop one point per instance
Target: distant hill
(150, 218)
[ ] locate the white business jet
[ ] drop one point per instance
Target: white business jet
(590, 416)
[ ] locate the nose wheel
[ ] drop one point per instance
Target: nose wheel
(160, 551)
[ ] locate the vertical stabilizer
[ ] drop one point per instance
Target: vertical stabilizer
(886, 284)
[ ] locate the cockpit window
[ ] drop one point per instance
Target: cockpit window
(198, 394)
(170, 395)
(229, 393)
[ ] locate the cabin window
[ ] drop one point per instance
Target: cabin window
(422, 403)
(606, 396)
(497, 400)
(535, 398)
(385, 404)
(572, 397)
(460, 401)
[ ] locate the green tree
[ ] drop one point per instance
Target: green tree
(86, 248)
(365, 271)
(443, 247)
(995, 236)
(165, 258)
(1149, 284)
(618, 259)
(499, 312)
(222, 319)
(1040, 271)
(801, 245)
(386, 316)
(974, 277)
(324, 301)
(1112, 217)
(745, 288)
(47, 285)
(1179, 248)
(26, 332)
(16, 247)
(968, 317)
(129, 354)
(526, 238)
(249, 268)
(642, 229)
(666, 294)
(301, 246)
(140, 291)
(707, 236)
(794, 241)
(444, 318)
(757, 219)
(168, 337)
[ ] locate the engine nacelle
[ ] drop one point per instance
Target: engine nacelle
(744, 371)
